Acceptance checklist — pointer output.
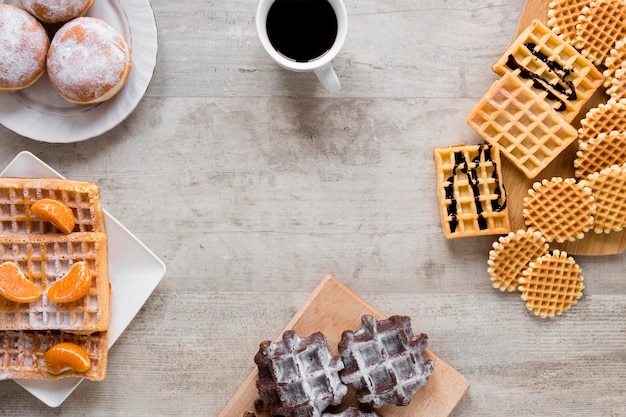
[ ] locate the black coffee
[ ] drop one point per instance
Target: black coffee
(301, 30)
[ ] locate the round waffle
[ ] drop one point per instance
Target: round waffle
(605, 118)
(600, 26)
(616, 90)
(609, 191)
(511, 254)
(551, 284)
(613, 62)
(562, 210)
(563, 17)
(599, 153)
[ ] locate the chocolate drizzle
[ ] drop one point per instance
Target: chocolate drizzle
(470, 170)
(555, 90)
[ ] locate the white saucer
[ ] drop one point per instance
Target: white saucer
(134, 272)
(39, 112)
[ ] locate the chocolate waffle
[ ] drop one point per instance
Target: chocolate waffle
(599, 153)
(553, 68)
(551, 284)
(384, 362)
(560, 209)
(22, 354)
(529, 132)
(472, 199)
(46, 258)
(601, 25)
(604, 118)
(18, 194)
(608, 188)
(563, 16)
(298, 377)
(511, 255)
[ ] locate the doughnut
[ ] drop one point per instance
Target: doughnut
(88, 61)
(57, 11)
(23, 48)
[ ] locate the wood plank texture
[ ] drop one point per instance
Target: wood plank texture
(332, 308)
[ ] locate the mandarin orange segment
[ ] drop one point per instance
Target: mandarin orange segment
(73, 286)
(14, 285)
(56, 212)
(66, 356)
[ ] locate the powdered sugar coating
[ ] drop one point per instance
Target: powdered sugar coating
(23, 47)
(57, 11)
(87, 58)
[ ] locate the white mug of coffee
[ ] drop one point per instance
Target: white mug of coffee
(304, 35)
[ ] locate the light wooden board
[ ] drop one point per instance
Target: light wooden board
(332, 308)
(517, 184)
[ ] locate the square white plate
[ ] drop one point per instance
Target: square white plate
(134, 272)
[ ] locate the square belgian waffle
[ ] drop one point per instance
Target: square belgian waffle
(22, 354)
(528, 130)
(472, 199)
(18, 194)
(553, 68)
(46, 258)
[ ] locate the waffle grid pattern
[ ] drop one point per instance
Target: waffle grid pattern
(563, 17)
(384, 362)
(600, 153)
(45, 260)
(299, 376)
(618, 83)
(602, 24)
(529, 131)
(511, 255)
(604, 118)
(17, 195)
(472, 199)
(583, 75)
(614, 61)
(561, 210)
(22, 352)
(551, 284)
(609, 191)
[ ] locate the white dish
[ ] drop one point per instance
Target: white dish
(134, 272)
(39, 112)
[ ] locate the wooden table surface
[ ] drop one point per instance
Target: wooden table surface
(251, 183)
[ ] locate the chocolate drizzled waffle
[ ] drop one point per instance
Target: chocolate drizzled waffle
(298, 377)
(384, 361)
(472, 199)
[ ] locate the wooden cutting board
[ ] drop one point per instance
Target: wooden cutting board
(332, 308)
(563, 166)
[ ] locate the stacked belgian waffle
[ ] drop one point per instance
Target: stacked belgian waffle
(44, 254)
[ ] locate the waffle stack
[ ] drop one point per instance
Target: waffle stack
(44, 255)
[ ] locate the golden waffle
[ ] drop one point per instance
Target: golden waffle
(601, 25)
(561, 210)
(18, 194)
(22, 354)
(553, 68)
(599, 153)
(563, 17)
(384, 361)
(551, 284)
(617, 89)
(299, 376)
(614, 61)
(605, 118)
(46, 258)
(472, 199)
(529, 132)
(511, 254)
(609, 192)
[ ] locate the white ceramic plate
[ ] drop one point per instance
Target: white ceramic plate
(134, 272)
(39, 113)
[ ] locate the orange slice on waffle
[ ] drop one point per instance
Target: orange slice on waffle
(67, 356)
(73, 286)
(14, 285)
(56, 212)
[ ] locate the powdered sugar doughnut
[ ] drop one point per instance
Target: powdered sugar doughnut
(23, 48)
(88, 61)
(57, 11)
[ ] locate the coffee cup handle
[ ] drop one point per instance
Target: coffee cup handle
(328, 78)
